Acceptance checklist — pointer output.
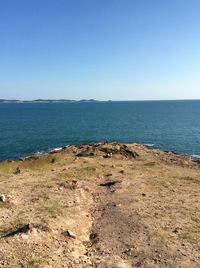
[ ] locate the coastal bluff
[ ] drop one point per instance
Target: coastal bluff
(100, 205)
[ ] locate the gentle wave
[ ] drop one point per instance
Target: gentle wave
(41, 153)
(149, 144)
(195, 156)
(55, 150)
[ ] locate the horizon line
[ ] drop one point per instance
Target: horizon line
(93, 100)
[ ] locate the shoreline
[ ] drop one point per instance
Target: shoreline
(150, 146)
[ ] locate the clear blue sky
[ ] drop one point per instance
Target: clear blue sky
(103, 49)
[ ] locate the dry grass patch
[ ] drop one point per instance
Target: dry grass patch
(161, 237)
(191, 233)
(34, 263)
(53, 210)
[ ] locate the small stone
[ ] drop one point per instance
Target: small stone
(17, 171)
(68, 233)
(94, 238)
(6, 198)
(53, 160)
(108, 174)
(74, 184)
(176, 230)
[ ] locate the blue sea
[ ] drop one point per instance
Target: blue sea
(27, 128)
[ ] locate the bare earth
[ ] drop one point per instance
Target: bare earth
(101, 206)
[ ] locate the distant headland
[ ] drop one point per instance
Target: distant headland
(46, 101)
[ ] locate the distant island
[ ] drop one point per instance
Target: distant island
(45, 101)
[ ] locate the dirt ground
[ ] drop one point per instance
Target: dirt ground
(109, 205)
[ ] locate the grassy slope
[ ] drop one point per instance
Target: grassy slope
(150, 219)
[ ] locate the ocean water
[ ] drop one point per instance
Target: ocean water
(26, 128)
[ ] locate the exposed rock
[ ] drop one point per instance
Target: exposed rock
(122, 150)
(27, 228)
(108, 155)
(32, 157)
(109, 183)
(85, 153)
